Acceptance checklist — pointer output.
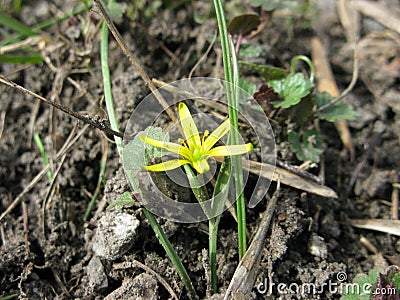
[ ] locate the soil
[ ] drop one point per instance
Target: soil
(47, 251)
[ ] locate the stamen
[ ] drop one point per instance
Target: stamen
(206, 133)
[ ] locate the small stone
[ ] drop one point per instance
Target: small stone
(115, 234)
(377, 185)
(142, 287)
(96, 275)
(318, 246)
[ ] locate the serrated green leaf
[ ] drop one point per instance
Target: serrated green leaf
(137, 153)
(307, 146)
(265, 71)
(274, 4)
(292, 89)
(363, 281)
(123, 201)
(338, 111)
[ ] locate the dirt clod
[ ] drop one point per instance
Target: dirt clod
(115, 234)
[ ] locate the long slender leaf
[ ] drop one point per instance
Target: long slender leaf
(16, 25)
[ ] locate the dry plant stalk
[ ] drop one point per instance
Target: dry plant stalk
(326, 83)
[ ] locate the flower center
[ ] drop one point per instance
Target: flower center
(197, 153)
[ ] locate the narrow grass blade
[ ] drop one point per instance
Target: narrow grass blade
(43, 153)
(20, 59)
(15, 25)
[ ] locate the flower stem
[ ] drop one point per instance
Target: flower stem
(198, 189)
(212, 251)
(220, 194)
(171, 253)
(307, 61)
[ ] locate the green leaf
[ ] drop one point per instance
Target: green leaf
(274, 4)
(338, 111)
(362, 281)
(307, 146)
(15, 25)
(123, 201)
(292, 89)
(21, 59)
(249, 51)
(396, 279)
(265, 71)
(303, 111)
(243, 24)
(137, 153)
(393, 275)
(116, 10)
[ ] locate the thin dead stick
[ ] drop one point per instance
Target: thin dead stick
(286, 177)
(378, 12)
(395, 196)
(132, 58)
(352, 83)
(2, 122)
(203, 57)
(246, 272)
(382, 225)
(367, 244)
(137, 264)
(86, 119)
(26, 226)
(30, 41)
(39, 176)
(327, 83)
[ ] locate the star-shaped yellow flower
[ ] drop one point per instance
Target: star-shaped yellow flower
(193, 150)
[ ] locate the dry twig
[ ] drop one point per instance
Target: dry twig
(246, 272)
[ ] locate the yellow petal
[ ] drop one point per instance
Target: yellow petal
(188, 126)
(201, 166)
(167, 165)
(216, 135)
(171, 147)
(230, 150)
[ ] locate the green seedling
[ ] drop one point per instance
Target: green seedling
(9, 297)
(295, 95)
(44, 155)
(307, 145)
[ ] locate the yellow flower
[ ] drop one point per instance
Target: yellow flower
(193, 150)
